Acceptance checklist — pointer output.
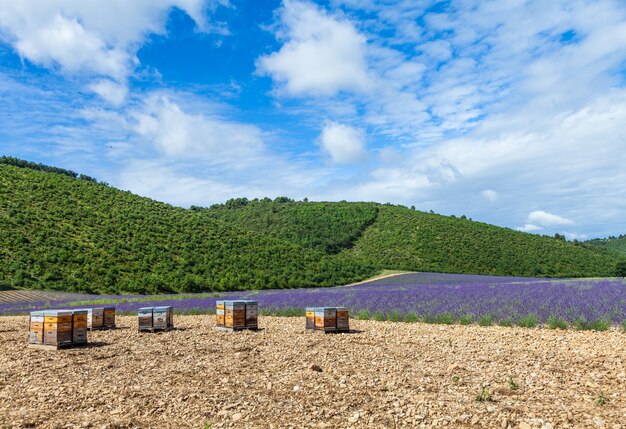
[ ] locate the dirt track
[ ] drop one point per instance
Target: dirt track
(389, 375)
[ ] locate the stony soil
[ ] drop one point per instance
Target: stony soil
(388, 375)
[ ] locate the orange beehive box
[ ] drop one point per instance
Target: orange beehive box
(236, 315)
(57, 327)
(108, 317)
(327, 319)
(79, 326)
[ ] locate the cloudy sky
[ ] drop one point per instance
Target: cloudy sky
(511, 112)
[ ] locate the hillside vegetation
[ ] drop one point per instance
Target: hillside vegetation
(60, 233)
(410, 240)
(617, 244)
(63, 231)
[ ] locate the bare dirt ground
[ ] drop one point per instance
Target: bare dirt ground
(389, 375)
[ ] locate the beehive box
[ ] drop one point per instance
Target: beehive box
(252, 313)
(95, 318)
(237, 314)
(327, 319)
(343, 319)
(144, 316)
(219, 313)
(108, 318)
(36, 327)
(57, 327)
(156, 318)
(162, 318)
(79, 326)
(310, 318)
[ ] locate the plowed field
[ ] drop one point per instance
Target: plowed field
(385, 375)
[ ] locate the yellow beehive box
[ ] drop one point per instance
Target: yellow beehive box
(57, 327)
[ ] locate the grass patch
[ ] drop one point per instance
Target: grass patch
(379, 316)
(446, 319)
(363, 315)
(506, 323)
(412, 318)
(554, 322)
(485, 320)
(394, 316)
(528, 321)
(466, 319)
(583, 324)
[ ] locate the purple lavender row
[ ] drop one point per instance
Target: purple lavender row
(425, 295)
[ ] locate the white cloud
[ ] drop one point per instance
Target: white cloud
(179, 134)
(489, 195)
(529, 228)
(90, 38)
(343, 143)
(548, 219)
(322, 54)
(111, 91)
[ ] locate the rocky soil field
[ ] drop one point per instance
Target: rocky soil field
(385, 375)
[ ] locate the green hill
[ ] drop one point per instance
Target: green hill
(404, 239)
(63, 231)
(395, 237)
(617, 244)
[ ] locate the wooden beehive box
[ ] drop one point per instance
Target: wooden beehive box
(57, 327)
(219, 313)
(79, 326)
(156, 318)
(144, 317)
(234, 315)
(343, 319)
(162, 318)
(108, 317)
(95, 318)
(310, 318)
(252, 314)
(327, 319)
(36, 327)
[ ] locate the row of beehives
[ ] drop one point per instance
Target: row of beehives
(68, 327)
(243, 314)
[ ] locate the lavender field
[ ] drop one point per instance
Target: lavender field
(429, 297)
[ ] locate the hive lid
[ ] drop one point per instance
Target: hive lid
(37, 313)
(146, 309)
(79, 311)
(110, 307)
(57, 313)
(162, 308)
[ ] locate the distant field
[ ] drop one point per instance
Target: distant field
(35, 296)
(594, 304)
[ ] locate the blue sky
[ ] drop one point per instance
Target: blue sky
(511, 113)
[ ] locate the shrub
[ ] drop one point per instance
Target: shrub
(446, 319)
(528, 321)
(411, 317)
(485, 320)
(363, 315)
(379, 316)
(466, 319)
(554, 322)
